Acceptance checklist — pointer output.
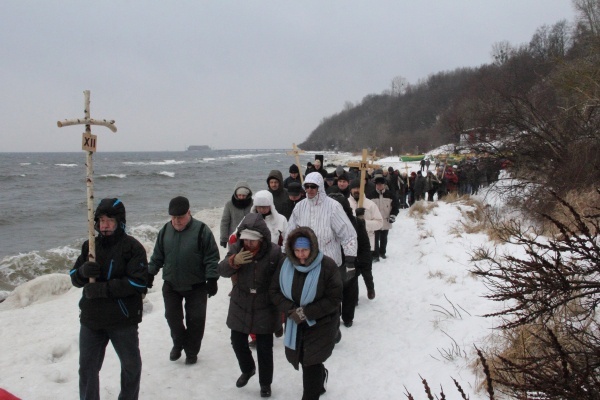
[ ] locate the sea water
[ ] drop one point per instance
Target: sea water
(43, 203)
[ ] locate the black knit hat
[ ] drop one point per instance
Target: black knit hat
(294, 188)
(113, 208)
(178, 206)
(354, 184)
(294, 169)
(343, 177)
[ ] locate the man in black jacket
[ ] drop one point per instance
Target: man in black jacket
(111, 307)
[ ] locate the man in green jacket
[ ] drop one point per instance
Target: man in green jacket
(187, 252)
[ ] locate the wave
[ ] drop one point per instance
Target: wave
(107, 176)
(165, 162)
(167, 173)
(66, 165)
(25, 163)
(15, 270)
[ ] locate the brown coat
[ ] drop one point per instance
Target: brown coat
(253, 312)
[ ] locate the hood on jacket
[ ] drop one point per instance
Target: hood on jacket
(317, 179)
(255, 222)
(306, 232)
(242, 184)
(275, 174)
(263, 198)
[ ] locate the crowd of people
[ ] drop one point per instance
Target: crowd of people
(295, 252)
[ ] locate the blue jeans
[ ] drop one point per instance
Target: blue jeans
(92, 347)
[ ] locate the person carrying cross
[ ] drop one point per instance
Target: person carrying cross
(111, 306)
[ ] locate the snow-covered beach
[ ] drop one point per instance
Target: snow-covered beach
(424, 321)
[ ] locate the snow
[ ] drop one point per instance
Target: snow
(425, 321)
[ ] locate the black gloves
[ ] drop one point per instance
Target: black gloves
(95, 290)
(360, 213)
(224, 244)
(211, 287)
(150, 281)
(350, 268)
(297, 315)
(90, 269)
(392, 219)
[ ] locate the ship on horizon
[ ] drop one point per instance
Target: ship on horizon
(198, 148)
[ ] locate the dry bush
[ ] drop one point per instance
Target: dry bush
(421, 208)
(584, 201)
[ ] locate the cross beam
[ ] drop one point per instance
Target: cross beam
(363, 165)
(88, 144)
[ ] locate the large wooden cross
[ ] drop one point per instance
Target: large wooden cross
(296, 153)
(363, 165)
(88, 144)
(406, 168)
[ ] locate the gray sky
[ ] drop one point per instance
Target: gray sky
(229, 74)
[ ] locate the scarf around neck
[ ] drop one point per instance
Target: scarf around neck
(309, 291)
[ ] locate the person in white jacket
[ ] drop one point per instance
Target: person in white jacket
(373, 218)
(277, 224)
(327, 219)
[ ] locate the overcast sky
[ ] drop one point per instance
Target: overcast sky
(229, 74)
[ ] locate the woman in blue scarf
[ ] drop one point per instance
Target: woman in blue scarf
(307, 288)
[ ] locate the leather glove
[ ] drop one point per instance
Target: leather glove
(243, 257)
(360, 213)
(95, 290)
(392, 219)
(224, 244)
(350, 268)
(297, 315)
(211, 287)
(150, 280)
(90, 269)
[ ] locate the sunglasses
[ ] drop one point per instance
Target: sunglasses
(311, 186)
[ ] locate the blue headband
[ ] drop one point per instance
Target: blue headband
(302, 243)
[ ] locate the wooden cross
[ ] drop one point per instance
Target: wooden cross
(406, 168)
(363, 165)
(88, 144)
(296, 153)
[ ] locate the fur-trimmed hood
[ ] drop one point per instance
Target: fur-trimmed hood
(302, 231)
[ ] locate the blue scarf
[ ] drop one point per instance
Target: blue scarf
(309, 292)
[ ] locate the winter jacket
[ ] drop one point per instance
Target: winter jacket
(314, 344)
(124, 272)
(280, 196)
(250, 308)
(387, 203)
(373, 219)
(276, 222)
(234, 211)
(187, 258)
(327, 219)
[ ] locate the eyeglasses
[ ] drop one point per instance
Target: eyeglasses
(307, 186)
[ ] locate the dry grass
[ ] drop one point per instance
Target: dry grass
(421, 208)
(586, 202)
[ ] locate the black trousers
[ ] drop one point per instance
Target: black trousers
(350, 296)
(312, 381)
(189, 336)
(92, 347)
(264, 352)
(381, 240)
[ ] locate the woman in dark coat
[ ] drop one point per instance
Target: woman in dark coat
(307, 287)
(254, 260)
